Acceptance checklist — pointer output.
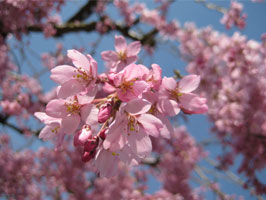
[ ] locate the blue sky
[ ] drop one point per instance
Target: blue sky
(183, 11)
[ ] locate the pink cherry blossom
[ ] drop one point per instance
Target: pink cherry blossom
(71, 111)
(80, 78)
(136, 126)
(52, 130)
(123, 56)
(178, 95)
(130, 82)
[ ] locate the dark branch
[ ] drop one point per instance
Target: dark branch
(84, 12)
(61, 30)
(4, 122)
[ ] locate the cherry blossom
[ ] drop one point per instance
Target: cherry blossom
(75, 80)
(123, 56)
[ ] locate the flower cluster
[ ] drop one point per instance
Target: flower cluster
(233, 72)
(178, 157)
(49, 174)
(234, 17)
(112, 115)
(16, 15)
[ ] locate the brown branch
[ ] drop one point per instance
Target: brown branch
(84, 12)
(61, 30)
(4, 122)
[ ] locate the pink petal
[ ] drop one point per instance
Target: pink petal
(46, 133)
(59, 140)
(109, 56)
(106, 163)
(156, 75)
(89, 114)
(133, 48)
(92, 89)
(57, 108)
(125, 97)
(140, 143)
(168, 107)
(156, 72)
(138, 106)
(62, 73)
(140, 87)
(167, 129)
(107, 88)
(70, 123)
(192, 104)
(151, 96)
(85, 98)
(134, 71)
(79, 60)
(70, 88)
(151, 124)
(169, 83)
(44, 118)
(128, 156)
(93, 66)
(116, 78)
(189, 83)
(120, 44)
(116, 136)
(129, 60)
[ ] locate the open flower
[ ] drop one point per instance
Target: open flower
(176, 96)
(130, 82)
(132, 126)
(80, 78)
(71, 111)
(53, 128)
(123, 56)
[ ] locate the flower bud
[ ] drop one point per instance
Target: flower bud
(102, 134)
(87, 156)
(104, 113)
(82, 135)
(91, 144)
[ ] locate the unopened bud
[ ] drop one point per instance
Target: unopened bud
(102, 134)
(91, 144)
(104, 113)
(82, 135)
(87, 156)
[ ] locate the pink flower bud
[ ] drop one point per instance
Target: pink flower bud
(102, 134)
(91, 144)
(104, 113)
(87, 156)
(82, 135)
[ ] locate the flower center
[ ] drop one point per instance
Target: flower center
(126, 85)
(55, 130)
(175, 94)
(82, 75)
(132, 124)
(122, 55)
(73, 107)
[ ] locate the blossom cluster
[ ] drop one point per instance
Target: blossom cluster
(16, 15)
(178, 157)
(233, 71)
(234, 16)
(49, 174)
(112, 115)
